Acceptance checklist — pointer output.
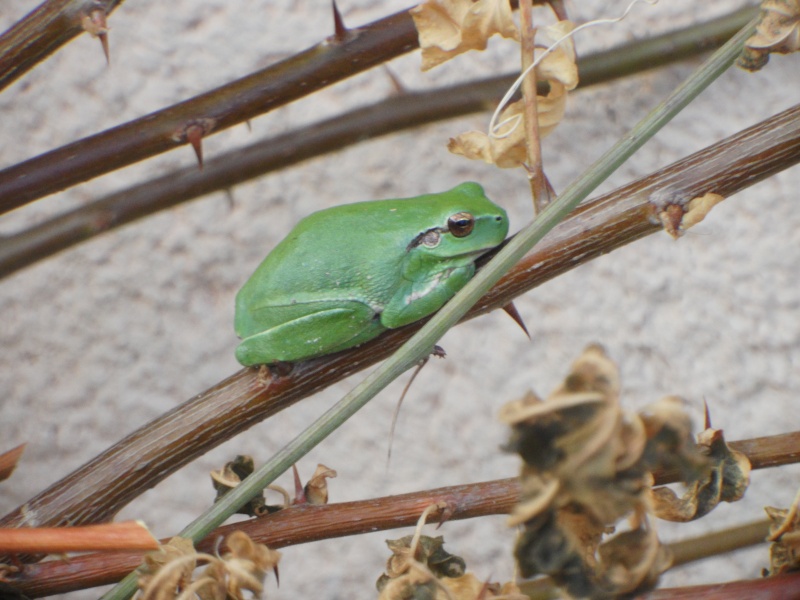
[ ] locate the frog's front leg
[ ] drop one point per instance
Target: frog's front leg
(417, 299)
(329, 329)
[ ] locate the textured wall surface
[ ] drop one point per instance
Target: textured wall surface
(106, 336)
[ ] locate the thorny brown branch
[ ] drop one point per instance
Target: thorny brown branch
(262, 91)
(161, 447)
(43, 31)
(328, 62)
(306, 523)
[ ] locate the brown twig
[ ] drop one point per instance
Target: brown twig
(767, 588)
(393, 114)
(43, 31)
(324, 64)
(306, 523)
(96, 491)
(719, 542)
(533, 145)
(128, 535)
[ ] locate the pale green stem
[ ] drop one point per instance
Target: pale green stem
(422, 343)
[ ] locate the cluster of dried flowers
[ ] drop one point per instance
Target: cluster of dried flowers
(241, 467)
(420, 567)
(169, 573)
(588, 469)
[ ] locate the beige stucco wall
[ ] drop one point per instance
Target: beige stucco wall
(106, 336)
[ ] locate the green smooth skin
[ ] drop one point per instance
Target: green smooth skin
(346, 274)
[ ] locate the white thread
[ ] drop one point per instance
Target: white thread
(493, 127)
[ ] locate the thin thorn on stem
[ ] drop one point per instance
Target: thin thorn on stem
(96, 25)
(340, 31)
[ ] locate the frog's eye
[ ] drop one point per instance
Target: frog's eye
(461, 224)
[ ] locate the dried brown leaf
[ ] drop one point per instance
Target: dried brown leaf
(506, 146)
(778, 31)
(448, 28)
(507, 151)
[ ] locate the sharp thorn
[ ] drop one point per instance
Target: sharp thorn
(103, 37)
(551, 192)
(299, 491)
(194, 135)
(249, 126)
(230, 198)
(446, 513)
(398, 86)
(340, 31)
(95, 24)
(512, 312)
(277, 575)
(707, 415)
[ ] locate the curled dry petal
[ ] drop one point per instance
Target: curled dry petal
(725, 480)
(316, 490)
(506, 148)
(448, 28)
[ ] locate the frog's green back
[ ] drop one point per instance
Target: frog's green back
(352, 251)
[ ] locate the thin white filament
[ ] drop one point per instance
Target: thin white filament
(494, 127)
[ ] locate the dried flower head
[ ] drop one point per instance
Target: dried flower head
(587, 469)
(784, 553)
(168, 573)
(778, 31)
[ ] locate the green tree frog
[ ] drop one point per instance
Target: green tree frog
(345, 274)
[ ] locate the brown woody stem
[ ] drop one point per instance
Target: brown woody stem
(95, 492)
(306, 523)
